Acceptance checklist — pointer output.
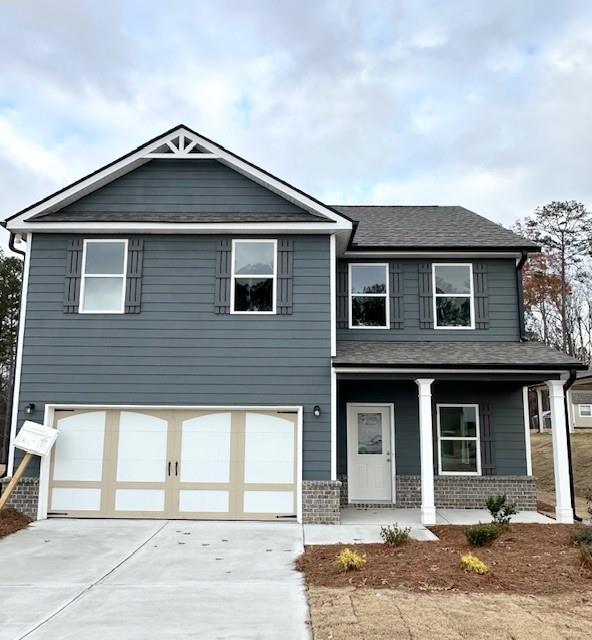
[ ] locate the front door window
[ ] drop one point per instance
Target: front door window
(370, 433)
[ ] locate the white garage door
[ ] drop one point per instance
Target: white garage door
(216, 464)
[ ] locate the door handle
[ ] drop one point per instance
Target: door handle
(176, 468)
(169, 471)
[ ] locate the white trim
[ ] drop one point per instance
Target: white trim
(50, 410)
(114, 276)
(333, 292)
(333, 425)
(585, 415)
(426, 449)
(527, 447)
(143, 155)
(540, 412)
(391, 408)
(266, 276)
(476, 439)
(563, 504)
(385, 295)
(470, 295)
(413, 371)
(19, 355)
(442, 253)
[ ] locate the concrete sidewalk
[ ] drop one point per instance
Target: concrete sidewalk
(142, 579)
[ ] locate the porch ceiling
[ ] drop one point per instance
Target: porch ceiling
(453, 355)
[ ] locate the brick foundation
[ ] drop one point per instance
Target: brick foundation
(320, 501)
(25, 497)
(461, 492)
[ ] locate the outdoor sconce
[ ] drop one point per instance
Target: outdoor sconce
(30, 408)
(317, 411)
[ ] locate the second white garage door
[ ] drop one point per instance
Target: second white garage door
(214, 464)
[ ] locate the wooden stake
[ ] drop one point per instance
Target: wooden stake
(15, 478)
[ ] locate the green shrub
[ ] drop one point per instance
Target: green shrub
(395, 535)
(349, 560)
(501, 510)
(586, 556)
(582, 536)
(473, 564)
(482, 534)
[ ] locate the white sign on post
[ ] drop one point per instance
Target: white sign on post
(36, 438)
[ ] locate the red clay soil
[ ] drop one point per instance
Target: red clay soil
(526, 559)
(12, 520)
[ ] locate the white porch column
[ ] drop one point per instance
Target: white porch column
(570, 412)
(563, 506)
(539, 395)
(426, 450)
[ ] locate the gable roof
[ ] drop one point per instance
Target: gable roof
(179, 143)
(429, 227)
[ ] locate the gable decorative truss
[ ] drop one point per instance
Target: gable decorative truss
(180, 143)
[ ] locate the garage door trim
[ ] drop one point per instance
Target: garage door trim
(50, 410)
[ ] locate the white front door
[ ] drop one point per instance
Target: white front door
(369, 453)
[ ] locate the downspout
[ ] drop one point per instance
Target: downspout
(572, 492)
(520, 290)
(11, 246)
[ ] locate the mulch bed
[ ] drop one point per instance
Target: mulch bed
(12, 520)
(527, 559)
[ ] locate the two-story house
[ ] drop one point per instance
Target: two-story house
(212, 342)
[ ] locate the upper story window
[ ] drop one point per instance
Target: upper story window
(368, 299)
(254, 275)
(586, 411)
(453, 296)
(458, 439)
(102, 287)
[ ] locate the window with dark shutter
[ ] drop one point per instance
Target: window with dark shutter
(285, 259)
(426, 315)
(342, 296)
(133, 289)
(223, 268)
(480, 286)
(487, 441)
(73, 275)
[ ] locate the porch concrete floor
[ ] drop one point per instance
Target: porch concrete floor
(361, 525)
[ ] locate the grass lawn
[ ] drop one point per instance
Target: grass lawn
(542, 467)
(536, 587)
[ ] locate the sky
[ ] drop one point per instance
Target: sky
(477, 103)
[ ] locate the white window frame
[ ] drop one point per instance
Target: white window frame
(476, 438)
(267, 276)
(470, 295)
(585, 415)
(84, 275)
(385, 295)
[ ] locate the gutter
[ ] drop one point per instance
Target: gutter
(572, 492)
(520, 289)
(11, 241)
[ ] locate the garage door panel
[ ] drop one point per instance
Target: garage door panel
(205, 448)
(140, 500)
(75, 499)
(78, 452)
(142, 448)
(203, 500)
(269, 449)
(268, 502)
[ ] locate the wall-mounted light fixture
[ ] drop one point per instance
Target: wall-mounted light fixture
(30, 408)
(317, 411)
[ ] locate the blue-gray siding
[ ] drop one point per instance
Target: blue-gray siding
(505, 400)
(177, 351)
(185, 186)
(502, 301)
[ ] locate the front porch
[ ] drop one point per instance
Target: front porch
(362, 525)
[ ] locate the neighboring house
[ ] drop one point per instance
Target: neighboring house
(212, 342)
(579, 404)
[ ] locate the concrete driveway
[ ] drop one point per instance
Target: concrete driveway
(141, 579)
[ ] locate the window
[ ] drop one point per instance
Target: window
(585, 410)
(368, 300)
(253, 276)
(458, 439)
(453, 296)
(102, 289)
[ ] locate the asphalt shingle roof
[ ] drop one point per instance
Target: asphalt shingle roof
(524, 355)
(429, 227)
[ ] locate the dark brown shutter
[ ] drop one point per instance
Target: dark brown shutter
(73, 275)
(480, 287)
(342, 314)
(487, 441)
(396, 294)
(426, 316)
(223, 266)
(285, 258)
(133, 278)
